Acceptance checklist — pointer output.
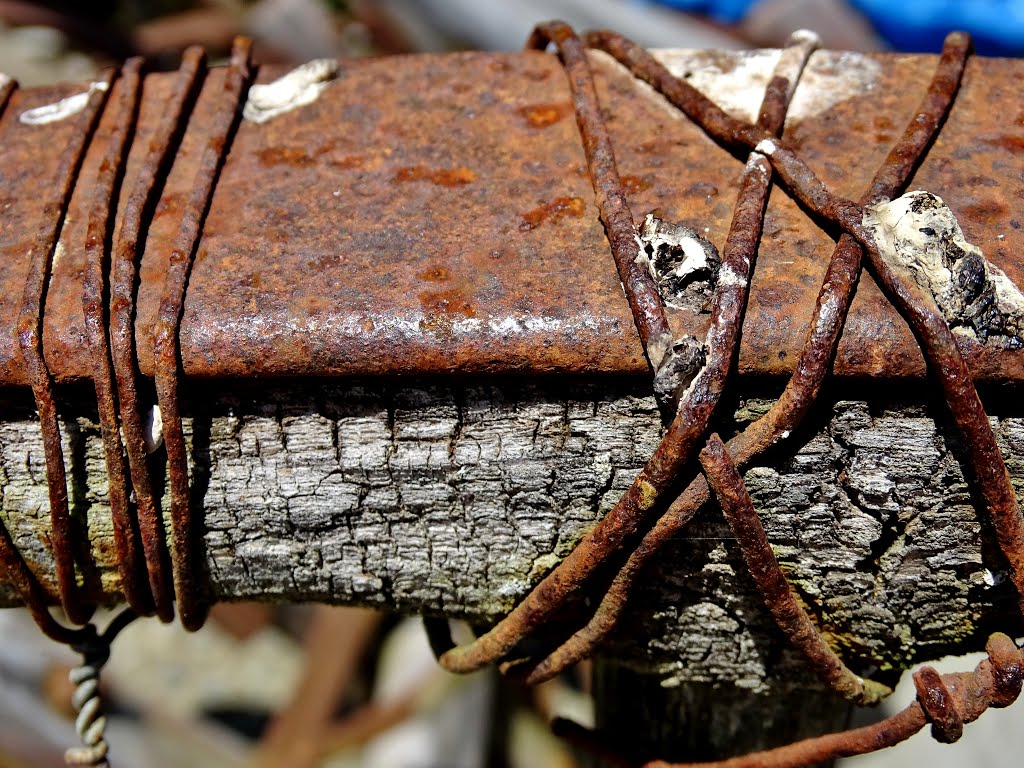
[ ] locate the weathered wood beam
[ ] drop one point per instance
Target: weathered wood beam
(454, 499)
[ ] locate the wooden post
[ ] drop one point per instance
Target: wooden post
(454, 500)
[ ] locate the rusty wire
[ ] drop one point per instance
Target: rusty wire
(740, 253)
(18, 573)
(645, 301)
(87, 699)
(30, 340)
(930, 327)
(165, 333)
(694, 410)
(680, 440)
(801, 390)
(946, 701)
(101, 221)
(138, 209)
(790, 616)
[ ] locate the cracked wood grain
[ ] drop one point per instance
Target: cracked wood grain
(454, 500)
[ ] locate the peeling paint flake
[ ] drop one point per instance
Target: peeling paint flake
(302, 86)
(63, 109)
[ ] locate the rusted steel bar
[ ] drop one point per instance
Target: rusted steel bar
(829, 317)
(137, 212)
(95, 291)
(645, 301)
(165, 342)
(946, 701)
(779, 597)
(30, 326)
(480, 151)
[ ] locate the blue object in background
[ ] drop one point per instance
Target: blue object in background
(997, 26)
(727, 11)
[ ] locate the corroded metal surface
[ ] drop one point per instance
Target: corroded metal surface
(433, 214)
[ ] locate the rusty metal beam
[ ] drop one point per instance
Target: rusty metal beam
(433, 214)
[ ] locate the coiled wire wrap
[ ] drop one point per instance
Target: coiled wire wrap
(91, 721)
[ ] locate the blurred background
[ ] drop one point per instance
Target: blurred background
(305, 686)
(61, 39)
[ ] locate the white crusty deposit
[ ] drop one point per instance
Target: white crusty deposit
(302, 86)
(919, 233)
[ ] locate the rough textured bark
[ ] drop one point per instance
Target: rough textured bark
(454, 499)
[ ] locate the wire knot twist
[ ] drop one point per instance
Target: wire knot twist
(949, 701)
(91, 722)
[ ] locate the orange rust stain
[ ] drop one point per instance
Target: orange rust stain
(985, 211)
(557, 209)
(440, 307)
(444, 177)
(634, 184)
(1008, 142)
(347, 162)
(543, 115)
(285, 156)
(436, 275)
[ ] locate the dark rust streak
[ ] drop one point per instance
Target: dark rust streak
(101, 219)
(645, 301)
(738, 259)
(165, 341)
(809, 373)
(30, 322)
(789, 615)
(138, 209)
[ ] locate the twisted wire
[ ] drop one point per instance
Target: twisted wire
(87, 699)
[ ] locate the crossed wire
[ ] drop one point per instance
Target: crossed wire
(961, 699)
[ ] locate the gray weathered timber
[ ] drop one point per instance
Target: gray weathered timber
(453, 499)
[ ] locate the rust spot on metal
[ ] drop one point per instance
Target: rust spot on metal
(555, 210)
(440, 309)
(347, 162)
(285, 156)
(544, 115)
(634, 184)
(436, 275)
(1009, 142)
(443, 177)
(987, 212)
